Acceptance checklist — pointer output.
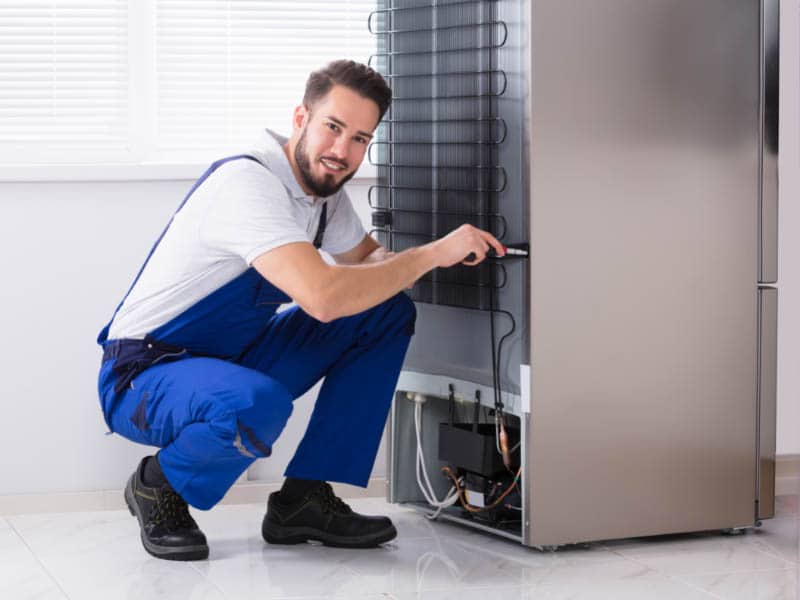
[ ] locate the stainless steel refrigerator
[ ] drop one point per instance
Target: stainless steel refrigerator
(633, 145)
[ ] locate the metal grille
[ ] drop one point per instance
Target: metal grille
(436, 151)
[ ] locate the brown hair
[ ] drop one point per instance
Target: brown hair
(356, 76)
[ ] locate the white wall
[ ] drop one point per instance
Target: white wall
(789, 250)
(69, 250)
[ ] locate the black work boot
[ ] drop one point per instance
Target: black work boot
(168, 530)
(320, 515)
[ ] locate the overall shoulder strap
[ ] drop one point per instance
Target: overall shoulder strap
(323, 221)
(103, 335)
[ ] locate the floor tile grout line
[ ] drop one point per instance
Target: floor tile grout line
(776, 555)
(695, 587)
(748, 572)
(208, 579)
(39, 560)
(673, 578)
(789, 565)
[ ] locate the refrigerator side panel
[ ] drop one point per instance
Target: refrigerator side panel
(767, 397)
(645, 177)
(769, 134)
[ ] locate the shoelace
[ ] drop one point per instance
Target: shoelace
(331, 501)
(172, 510)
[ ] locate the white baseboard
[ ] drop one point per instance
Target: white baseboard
(787, 475)
(787, 482)
(241, 493)
(255, 493)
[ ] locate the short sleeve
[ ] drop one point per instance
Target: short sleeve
(343, 230)
(249, 214)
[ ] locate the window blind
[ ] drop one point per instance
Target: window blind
(228, 68)
(63, 80)
(161, 80)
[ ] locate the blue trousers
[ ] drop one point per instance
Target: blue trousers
(212, 417)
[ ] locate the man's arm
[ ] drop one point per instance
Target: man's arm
(328, 292)
(367, 251)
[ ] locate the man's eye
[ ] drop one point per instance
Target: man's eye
(333, 126)
(360, 140)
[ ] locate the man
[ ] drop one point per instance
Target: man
(197, 362)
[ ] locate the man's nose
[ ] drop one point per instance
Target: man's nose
(341, 148)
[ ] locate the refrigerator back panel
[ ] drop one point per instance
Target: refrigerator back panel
(449, 152)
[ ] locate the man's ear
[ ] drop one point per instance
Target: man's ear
(300, 117)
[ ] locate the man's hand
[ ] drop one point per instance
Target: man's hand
(378, 255)
(457, 245)
(362, 253)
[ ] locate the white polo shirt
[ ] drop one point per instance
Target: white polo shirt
(240, 211)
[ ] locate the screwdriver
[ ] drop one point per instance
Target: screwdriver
(520, 250)
(512, 251)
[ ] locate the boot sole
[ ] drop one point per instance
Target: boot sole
(182, 553)
(279, 534)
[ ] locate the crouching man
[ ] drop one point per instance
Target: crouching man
(197, 362)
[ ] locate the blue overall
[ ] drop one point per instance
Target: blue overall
(213, 387)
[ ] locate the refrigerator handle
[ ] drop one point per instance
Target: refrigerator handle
(767, 392)
(768, 230)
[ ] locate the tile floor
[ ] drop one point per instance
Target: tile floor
(83, 556)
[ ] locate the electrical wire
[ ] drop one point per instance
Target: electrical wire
(423, 481)
(506, 456)
(478, 509)
(496, 362)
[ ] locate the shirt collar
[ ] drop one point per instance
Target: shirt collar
(269, 151)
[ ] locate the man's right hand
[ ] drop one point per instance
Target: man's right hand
(457, 246)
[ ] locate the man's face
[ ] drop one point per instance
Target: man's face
(334, 135)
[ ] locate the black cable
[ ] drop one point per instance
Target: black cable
(495, 370)
(503, 339)
(497, 355)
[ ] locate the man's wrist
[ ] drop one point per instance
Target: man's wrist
(427, 256)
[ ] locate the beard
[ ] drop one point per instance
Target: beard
(323, 188)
